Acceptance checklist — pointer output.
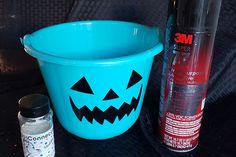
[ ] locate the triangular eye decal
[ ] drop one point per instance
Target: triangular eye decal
(135, 78)
(82, 86)
(111, 95)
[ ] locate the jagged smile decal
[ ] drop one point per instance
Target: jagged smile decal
(111, 113)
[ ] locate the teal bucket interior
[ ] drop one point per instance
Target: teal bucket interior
(94, 40)
(96, 73)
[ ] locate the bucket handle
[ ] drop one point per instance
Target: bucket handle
(160, 33)
(25, 40)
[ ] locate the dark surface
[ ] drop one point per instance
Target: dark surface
(19, 75)
(217, 135)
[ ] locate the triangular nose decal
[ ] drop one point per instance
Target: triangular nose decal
(111, 95)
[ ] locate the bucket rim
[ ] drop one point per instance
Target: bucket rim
(39, 55)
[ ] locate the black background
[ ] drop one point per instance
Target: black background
(19, 75)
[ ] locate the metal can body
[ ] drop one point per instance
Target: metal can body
(186, 69)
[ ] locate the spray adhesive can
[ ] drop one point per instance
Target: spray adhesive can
(190, 34)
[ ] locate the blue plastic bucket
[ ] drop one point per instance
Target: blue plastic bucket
(96, 73)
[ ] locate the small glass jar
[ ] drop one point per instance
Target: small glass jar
(36, 125)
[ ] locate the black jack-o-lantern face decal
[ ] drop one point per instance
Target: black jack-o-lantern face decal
(110, 113)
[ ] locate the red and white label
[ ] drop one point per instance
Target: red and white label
(184, 90)
(181, 131)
